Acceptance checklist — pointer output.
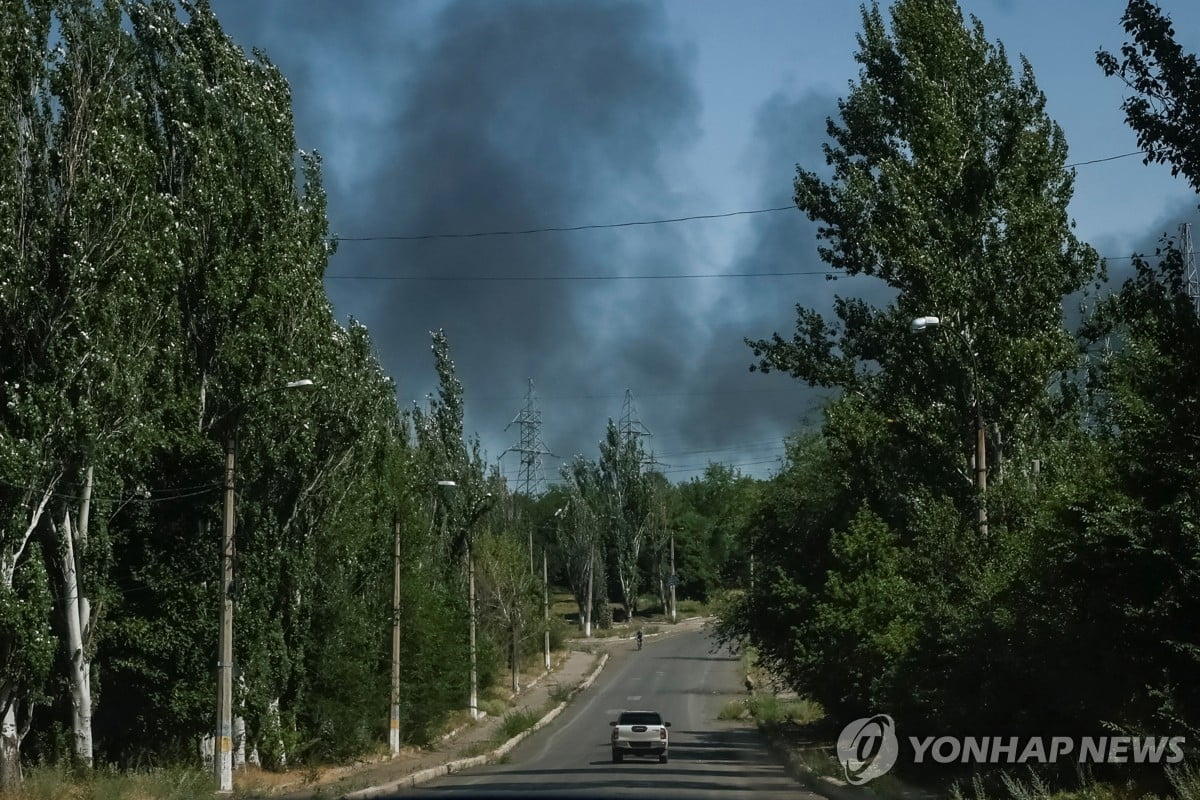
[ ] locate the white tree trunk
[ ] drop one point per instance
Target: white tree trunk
(277, 726)
(208, 749)
(78, 613)
(239, 742)
(239, 727)
(516, 675)
(10, 749)
(587, 617)
(10, 734)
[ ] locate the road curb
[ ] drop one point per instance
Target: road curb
(811, 779)
(450, 767)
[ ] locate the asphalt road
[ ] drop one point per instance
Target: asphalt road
(676, 674)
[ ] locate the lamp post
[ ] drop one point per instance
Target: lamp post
(674, 577)
(546, 608)
(921, 324)
(223, 757)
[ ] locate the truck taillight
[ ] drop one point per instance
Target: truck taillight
(662, 734)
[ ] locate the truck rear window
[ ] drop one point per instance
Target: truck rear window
(640, 718)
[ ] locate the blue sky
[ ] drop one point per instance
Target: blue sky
(466, 115)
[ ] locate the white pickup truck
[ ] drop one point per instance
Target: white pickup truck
(639, 733)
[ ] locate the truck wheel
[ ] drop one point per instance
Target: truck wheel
(662, 759)
(616, 757)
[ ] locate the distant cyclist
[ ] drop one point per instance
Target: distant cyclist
(639, 637)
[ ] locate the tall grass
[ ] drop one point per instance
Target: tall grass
(60, 783)
(1184, 780)
(771, 709)
(516, 722)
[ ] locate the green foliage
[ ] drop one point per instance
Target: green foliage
(768, 708)
(55, 783)
(160, 236)
(872, 589)
(1164, 110)
(517, 722)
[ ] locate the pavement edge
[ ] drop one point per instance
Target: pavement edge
(810, 778)
(428, 774)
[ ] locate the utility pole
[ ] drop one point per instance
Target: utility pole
(223, 761)
(394, 717)
(530, 480)
(673, 578)
(591, 582)
(223, 746)
(471, 602)
(981, 468)
(546, 606)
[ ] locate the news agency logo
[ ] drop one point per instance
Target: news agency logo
(867, 748)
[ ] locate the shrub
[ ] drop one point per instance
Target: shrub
(516, 722)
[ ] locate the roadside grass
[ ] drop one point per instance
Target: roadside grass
(61, 783)
(478, 748)
(771, 709)
(691, 608)
(518, 721)
(493, 708)
(734, 709)
(1184, 781)
(452, 722)
(559, 693)
(514, 723)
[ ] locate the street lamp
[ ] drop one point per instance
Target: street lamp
(223, 757)
(479, 510)
(921, 324)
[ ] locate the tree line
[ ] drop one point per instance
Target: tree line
(994, 530)
(163, 243)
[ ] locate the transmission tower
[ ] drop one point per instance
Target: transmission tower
(652, 462)
(1189, 265)
(530, 480)
(631, 427)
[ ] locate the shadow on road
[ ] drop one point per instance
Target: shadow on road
(700, 761)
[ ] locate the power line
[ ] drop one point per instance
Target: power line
(480, 234)
(1102, 160)
(706, 466)
(795, 388)
(506, 278)
(680, 276)
(145, 496)
(632, 223)
(769, 445)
